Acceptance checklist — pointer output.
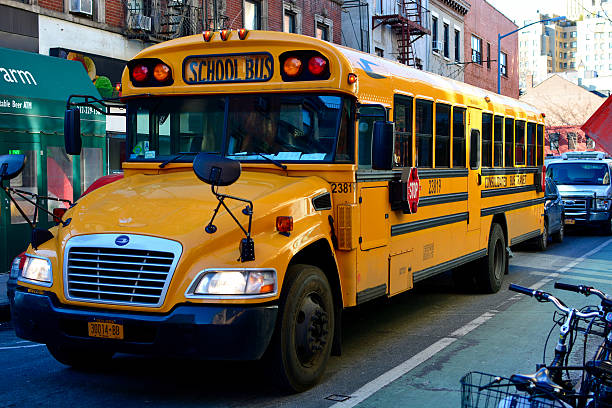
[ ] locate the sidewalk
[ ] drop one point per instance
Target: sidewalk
(5, 314)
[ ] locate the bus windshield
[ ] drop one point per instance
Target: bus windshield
(579, 173)
(284, 127)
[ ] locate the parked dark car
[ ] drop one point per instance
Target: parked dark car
(554, 215)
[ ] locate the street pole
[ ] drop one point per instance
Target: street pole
(499, 38)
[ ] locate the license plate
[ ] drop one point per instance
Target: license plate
(105, 329)
(570, 221)
(214, 69)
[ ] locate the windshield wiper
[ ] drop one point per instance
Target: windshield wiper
(275, 162)
(176, 157)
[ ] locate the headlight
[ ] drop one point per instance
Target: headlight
(37, 270)
(234, 282)
(602, 204)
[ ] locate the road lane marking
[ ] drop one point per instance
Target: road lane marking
(388, 377)
(585, 279)
(20, 347)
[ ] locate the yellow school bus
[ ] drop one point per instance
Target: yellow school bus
(272, 181)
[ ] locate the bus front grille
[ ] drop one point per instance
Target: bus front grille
(118, 275)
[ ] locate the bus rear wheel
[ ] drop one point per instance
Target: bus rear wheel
(493, 266)
(305, 331)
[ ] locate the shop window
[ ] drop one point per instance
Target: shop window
(402, 116)
(92, 166)
(367, 116)
(487, 140)
(27, 181)
(116, 152)
(509, 142)
(498, 141)
(59, 177)
(443, 134)
(424, 133)
(519, 142)
(458, 137)
(531, 140)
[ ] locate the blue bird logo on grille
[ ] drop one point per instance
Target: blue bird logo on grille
(122, 240)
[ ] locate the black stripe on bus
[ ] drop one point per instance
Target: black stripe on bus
(371, 293)
(525, 237)
(505, 172)
(383, 175)
(509, 207)
(442, 173)
(445, 266)
(507, 190)
(442, 199)
(407, 227)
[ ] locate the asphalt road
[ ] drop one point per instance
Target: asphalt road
(428, 338)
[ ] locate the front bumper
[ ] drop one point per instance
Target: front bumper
(588, 217)
(215, 332)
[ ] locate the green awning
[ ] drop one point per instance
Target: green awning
(34, 89)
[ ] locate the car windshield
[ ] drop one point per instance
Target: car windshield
(282, 127)
(579, 173)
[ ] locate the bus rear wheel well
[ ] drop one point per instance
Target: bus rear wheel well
(320, 254)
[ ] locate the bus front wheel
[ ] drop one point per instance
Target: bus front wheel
(493, 265)
(305, 331)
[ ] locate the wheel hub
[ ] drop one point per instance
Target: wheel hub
(311, 330)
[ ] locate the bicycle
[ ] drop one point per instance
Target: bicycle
(546, 387)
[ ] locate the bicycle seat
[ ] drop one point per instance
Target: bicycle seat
(539, 381)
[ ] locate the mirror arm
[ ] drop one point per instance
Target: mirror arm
(22, 194)
(23, 214)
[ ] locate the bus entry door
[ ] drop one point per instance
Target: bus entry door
(474, 178)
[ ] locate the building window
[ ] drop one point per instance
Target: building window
(571, 141)
(380, 52)
(446, 40)
(379, 6)
(252, 15)
(488, 56)
(457, 45)
(289, 22)
(434, 34)
(476, 50)
(574, 34)
(503, 63)
(323, 28)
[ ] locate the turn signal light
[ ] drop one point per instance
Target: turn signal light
(284, 224)
(292, 66)
(316, 65)
(208, 35)
(161, 72)
(58, 213)
(352, 78)
(242, 33)
(225, 34)
(140, 73)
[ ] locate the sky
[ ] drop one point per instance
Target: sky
(521, 10)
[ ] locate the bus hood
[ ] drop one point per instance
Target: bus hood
(178, 206)
(583, 190)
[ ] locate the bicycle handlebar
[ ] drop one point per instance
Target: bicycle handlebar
(585, 290)
(547, 297)
(522, 289)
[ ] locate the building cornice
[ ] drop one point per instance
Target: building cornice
(460, 6)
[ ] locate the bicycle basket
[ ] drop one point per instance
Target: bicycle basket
(481, 390)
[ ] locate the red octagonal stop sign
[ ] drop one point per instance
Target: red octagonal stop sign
(413, 190)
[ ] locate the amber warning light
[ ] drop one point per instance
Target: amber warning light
(284, 224)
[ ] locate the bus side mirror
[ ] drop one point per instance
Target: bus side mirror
(11, 165)
(72, 131)
(216, 170)
(382, 146)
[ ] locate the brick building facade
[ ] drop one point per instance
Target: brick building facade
(482, 25)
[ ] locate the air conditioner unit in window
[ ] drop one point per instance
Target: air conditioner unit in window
(81, 6)
(437, 45)
(140, 22)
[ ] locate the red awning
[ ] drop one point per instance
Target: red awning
(599, 126)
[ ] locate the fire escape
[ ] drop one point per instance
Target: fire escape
(409, 22)
(161, 20)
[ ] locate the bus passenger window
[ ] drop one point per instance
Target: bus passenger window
(540, 146)
(487, 140)
(498, 141)
(509, 141)
(443, 135)
(519, 141)
(458, 137)
(531, 151)
(367, 116)
(402, 116)
(424, 133)
(475, 149)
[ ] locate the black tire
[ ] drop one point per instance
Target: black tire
(80, 357)
(559, 235)
(304, 334)
(493, 266)
(541, 242)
